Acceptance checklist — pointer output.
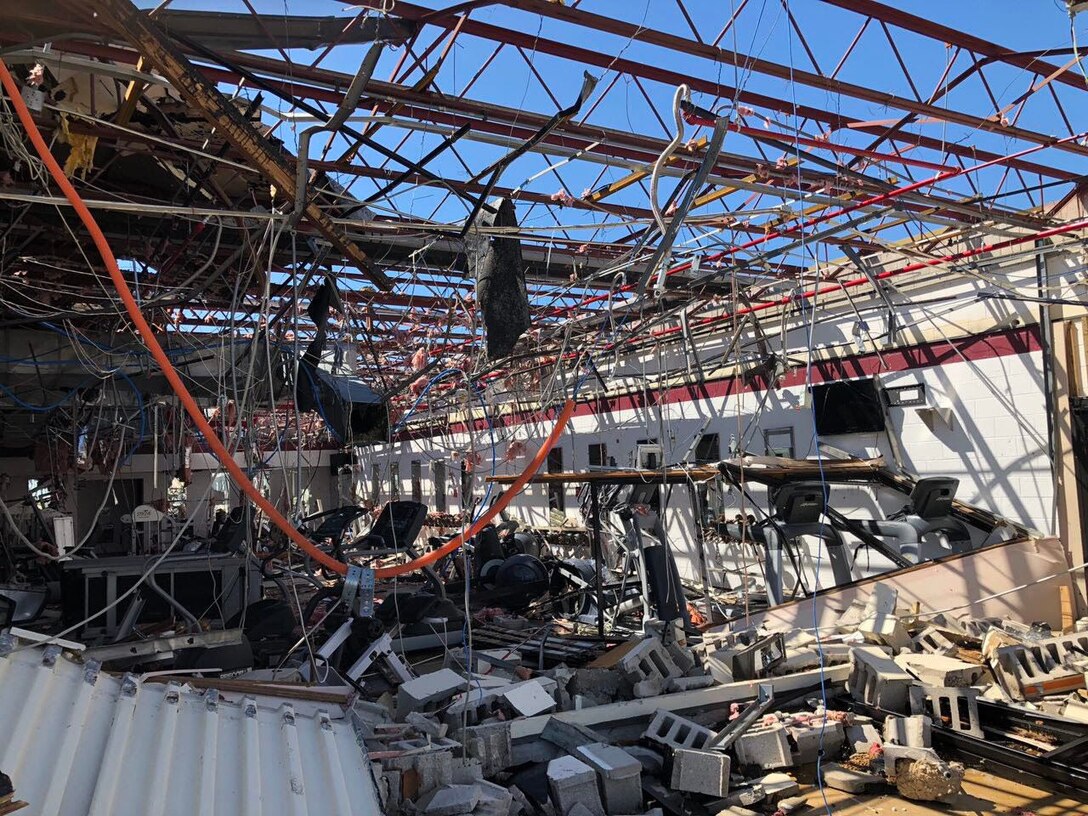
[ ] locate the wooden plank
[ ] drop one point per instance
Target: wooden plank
(758, 469)
(1069, 613)
(613, 656)
(287, 691)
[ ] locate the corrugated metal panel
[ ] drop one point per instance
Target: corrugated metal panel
(77, 742)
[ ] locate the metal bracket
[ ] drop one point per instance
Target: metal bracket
(725, 738)
(359, 590)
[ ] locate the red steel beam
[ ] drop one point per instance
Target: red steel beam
(942, 33)
(493, 114)
(621, 28)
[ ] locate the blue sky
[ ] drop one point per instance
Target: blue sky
(763, 29)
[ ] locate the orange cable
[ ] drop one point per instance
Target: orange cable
(499, 505)
(187, 401)
(134, 313)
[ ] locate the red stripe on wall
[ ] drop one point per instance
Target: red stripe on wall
(1008, 342)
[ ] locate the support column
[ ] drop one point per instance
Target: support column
(1067, 493)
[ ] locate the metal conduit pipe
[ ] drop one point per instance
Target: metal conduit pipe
(347, 105)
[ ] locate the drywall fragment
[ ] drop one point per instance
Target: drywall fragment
(794, 804)
(778, 785)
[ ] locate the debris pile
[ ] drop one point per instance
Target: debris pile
(731, 723)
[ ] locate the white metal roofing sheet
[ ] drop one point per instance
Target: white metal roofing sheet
(77, 742)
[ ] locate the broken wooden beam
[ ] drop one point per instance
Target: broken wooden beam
(156, 49)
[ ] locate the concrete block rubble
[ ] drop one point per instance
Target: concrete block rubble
(733, 722)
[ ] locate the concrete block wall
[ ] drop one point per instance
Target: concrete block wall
(996, 446)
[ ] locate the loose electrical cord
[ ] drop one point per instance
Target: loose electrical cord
(194, 411)
(683, 93)
(148, 335)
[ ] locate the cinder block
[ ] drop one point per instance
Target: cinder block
(649, 660)
(720, 665)
(915, 731)
(453, 800)
(681, 656)
(933, 640)
(390, 790)
(879, 623)
(808, 739)
(426, 724)
(676, 732)
(426, 693)
(764, 746)
(744, 796)
(808, 657)
(954, 708)
(432, 769)
(695, 771)
(600, 683)
(691, 683)
(941, 670)
(650, 687)
(619, 775)
(424, 743)
(877, 680)
(490, 744)
(861, 733)
(571, 782)
(467, 770)
(1042, 668)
